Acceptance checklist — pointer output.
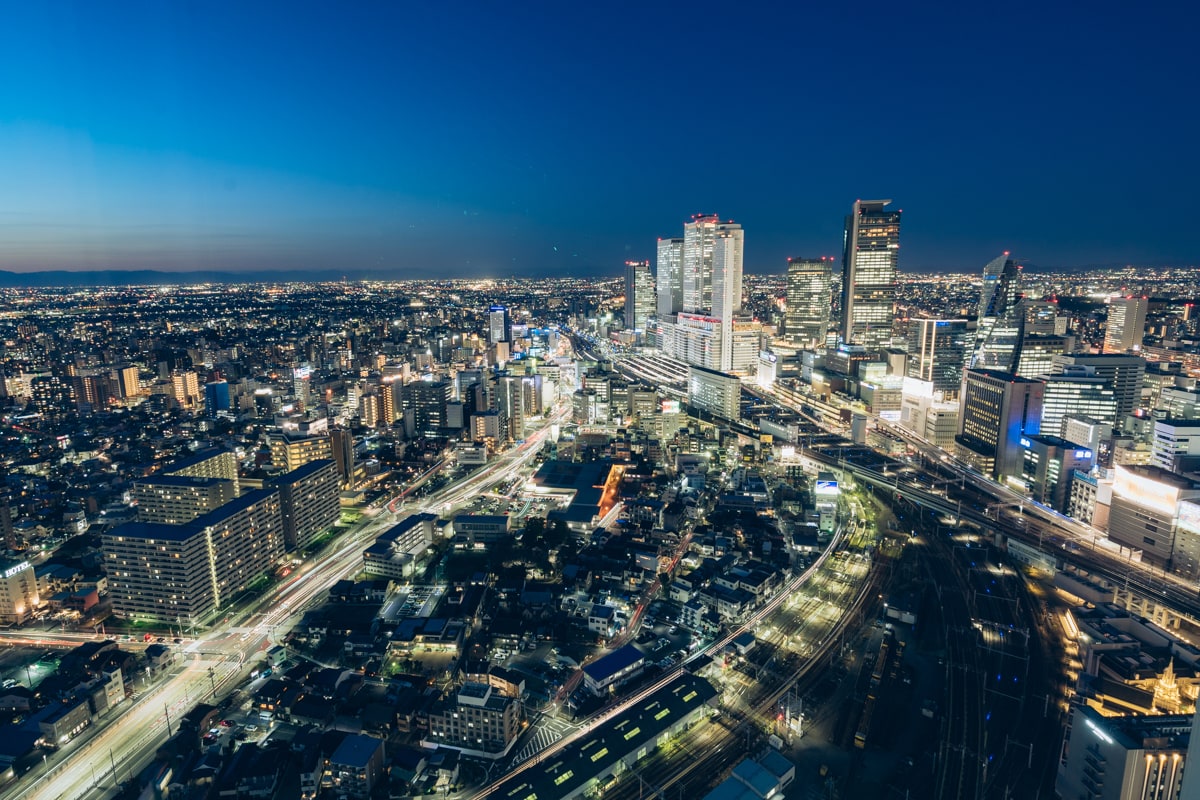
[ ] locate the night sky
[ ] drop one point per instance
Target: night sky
(489, 138)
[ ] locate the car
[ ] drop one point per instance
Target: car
(674, 630)
(179, 641)
(251, 727)
(226, 723)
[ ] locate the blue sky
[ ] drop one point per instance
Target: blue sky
(563, 138)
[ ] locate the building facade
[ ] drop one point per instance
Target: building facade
(809, 297)
(308, 502)
(871, 248)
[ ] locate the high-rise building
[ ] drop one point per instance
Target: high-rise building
(1123, 372)
(216, 398)
(1001, 325)
(1076, 394)
(208, 463)
(1049, 462)
(179, 499)
(1129, 757)
(998, 408)
(19, 597)
(499, 325)
(1038, 352)
(426, 400)
(639, 294)
(308, 502)
(871, 247)
(292, 452)
(727, 286)
(670, 277)
(697, 264)
(176, 573)
(185, 388)
(302, 386)
(715, 392)
(806, 320)
(937, 352)
(1126, 324)
(1176, 445)
(341, 442)
(1145, 509)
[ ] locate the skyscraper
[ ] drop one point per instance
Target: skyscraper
(697, 261)
(997, 410)
(639, 294)
(871, 245)
(727, 285)
(937, 351)
(499, 324)
(670, 277)
(1001, 323)
(806, 320)
(1126, 324)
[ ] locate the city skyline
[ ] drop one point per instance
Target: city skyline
(475, 142)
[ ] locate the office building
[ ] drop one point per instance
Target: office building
(1048, 465)
(871, 246)
(1076, 394)
(997, 409)
(669, 277)
(302, 386)
(697, 278)
(1145, 507)
(499, 324)
(639, 295)
(423, 405)
(1123, 372)
(187, 572)
(714, 392)
(1037, 353)
(1042, 318)
(19, 597)
(308, 502)
(1129, 757)
(341, 442)
(216, 398)
(1000, 328)
(809, 297)
(176, 499)
(1176, 445)
(937, 352)
(1126, 324)
(289, 452)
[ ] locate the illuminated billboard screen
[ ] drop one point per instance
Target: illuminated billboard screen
(827, 487)
(670, 406)
(1146, 492)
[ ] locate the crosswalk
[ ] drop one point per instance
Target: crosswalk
(544, 732)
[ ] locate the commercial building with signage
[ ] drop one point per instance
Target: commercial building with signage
(1048, 466)
(18, 592)
(1145, 508)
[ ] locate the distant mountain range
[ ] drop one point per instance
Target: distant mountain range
(151, 277)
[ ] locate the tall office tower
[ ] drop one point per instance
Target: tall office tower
(727, 286)
(670, 277)
(1038, 352)
(997, 409)
(937, 352)
(806, 320)
(1077, 394)
(216, 398)
(639, 294)
(341, 441)
(302, 386)
(426, 401)
(1126, 324)
(1001, 323)
(698, 261)
(870, 248)
(499, 325)
(1042, 318)
(1123, 372)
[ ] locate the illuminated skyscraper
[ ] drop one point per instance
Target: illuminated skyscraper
(871, 245)
(670, 277)
(1001, 323)
(698, 262)
(1126, 324)
(937, 351)
(728, 243)
(499, 325)
(806, 320)
(639, 294)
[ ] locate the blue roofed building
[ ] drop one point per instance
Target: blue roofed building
(610, 671)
